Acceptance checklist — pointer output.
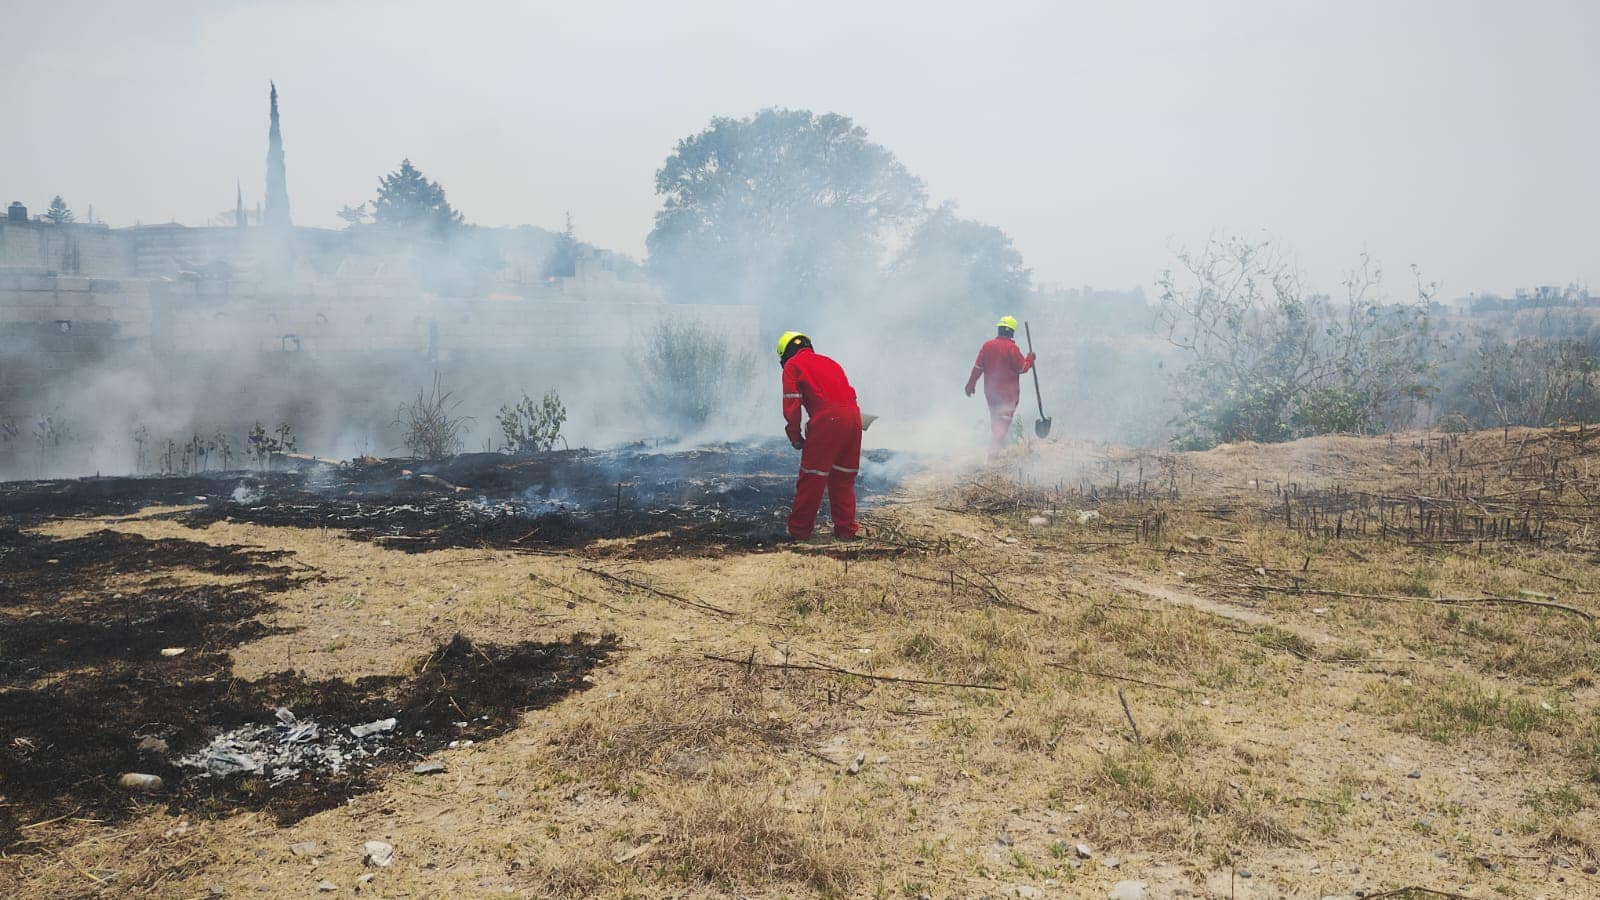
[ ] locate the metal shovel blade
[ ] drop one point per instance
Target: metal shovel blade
(1042, 428)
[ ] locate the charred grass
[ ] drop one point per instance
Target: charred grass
(84, 681)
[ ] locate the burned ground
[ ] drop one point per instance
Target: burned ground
(86, 693)
(709, 501)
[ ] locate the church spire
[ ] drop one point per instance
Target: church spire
(277, 211)
(238, 204)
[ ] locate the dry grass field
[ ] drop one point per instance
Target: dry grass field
(1341, 667)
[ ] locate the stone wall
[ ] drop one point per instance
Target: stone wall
(74, 249)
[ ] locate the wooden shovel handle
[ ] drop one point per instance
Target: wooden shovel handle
(1036, 396)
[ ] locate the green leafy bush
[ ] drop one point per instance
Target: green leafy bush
(531, 427)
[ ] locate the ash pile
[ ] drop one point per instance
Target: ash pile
(285, 749)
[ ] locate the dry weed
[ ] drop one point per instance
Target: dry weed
(727, 834)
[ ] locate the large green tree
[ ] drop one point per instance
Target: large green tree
(784, 209)
(408, 202)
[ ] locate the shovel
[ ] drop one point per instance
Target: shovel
(1041, 427)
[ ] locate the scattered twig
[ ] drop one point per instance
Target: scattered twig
(1448, 601)
(1137, 740)
(49, 821)
(1154, 684)
(676, 598)
(839, 671)
(570, 592)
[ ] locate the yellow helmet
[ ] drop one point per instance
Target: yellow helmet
(789, 338)
(1008, 322)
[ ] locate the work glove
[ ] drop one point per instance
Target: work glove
(798, 443)
(970, 390)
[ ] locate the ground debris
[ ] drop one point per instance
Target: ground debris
(286, 748)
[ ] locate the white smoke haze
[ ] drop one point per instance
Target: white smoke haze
(827, 200)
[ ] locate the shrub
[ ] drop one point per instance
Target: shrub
(688, 373)
(429, 424)
(532, 427)
(1270, 361)
(264, 443)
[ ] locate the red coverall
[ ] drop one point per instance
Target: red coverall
(832, 444)
(1001, 365)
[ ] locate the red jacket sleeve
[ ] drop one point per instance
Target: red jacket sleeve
(791, 402)
(977, 371)
(1020, 363)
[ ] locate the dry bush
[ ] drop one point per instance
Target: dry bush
(429, 425)
(727, 834)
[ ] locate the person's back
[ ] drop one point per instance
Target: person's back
(1001, 365)
(820, 382)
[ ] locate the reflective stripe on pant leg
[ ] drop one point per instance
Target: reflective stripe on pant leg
(819, 453)
(842, 481)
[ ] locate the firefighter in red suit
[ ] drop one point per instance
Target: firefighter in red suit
(1001, 366)
(830, 447)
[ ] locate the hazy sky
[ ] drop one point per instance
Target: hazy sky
(1460, 136)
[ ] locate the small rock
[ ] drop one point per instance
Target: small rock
(1028, 891)
(915, 781)
(326, 885)
(303, 848)
(428, 768)
(1590, 870)
(458, 745)
(217, 891)
(151, 744)
(1129, 890)
(1002, 841)
(1414, 773)
(363, 879)
(1111, 862)
(1244, 873)
(855, 766)
(1038, 521)
(377, 853)
(174, 651)
(1498, 832)
(1562, 862)
(138, 781)
(503, 794)
(1083, 851)
(1442, 854)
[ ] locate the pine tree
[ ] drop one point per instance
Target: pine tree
(58, 213)
(408, 201)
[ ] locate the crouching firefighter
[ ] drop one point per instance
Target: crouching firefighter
(830, 446)
(1001, 366)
